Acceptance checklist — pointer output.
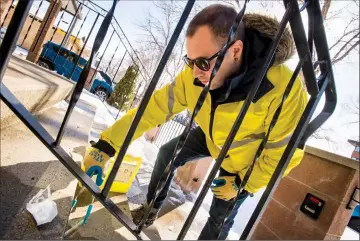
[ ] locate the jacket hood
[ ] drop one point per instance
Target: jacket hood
(259, 33)
(267, 26)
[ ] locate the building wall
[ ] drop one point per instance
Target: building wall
(327, 176)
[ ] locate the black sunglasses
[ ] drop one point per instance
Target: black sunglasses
(201, 63)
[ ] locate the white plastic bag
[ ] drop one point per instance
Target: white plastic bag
(43, 209)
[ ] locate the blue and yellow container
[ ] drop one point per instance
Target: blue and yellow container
(126, 173)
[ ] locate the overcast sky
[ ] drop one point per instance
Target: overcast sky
(128, 13)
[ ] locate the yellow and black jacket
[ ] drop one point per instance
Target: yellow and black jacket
(222, 106)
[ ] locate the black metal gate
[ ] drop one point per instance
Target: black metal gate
(316, 87)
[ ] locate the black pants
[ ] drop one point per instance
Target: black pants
(194, 148)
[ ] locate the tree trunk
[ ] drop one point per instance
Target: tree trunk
(325, 8)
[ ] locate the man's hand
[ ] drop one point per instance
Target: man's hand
(94, 163)
(225, 187)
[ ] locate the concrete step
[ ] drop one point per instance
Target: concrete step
(35, 87)
(28, 166)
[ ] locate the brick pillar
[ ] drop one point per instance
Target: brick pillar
(327, 176)
(4, 6)
(44, 31)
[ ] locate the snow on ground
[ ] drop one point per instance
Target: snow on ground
(350, 234)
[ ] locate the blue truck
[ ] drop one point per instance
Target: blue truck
(64, 64)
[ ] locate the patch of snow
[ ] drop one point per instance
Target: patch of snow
(350, 234)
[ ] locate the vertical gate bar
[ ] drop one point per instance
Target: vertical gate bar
(164, 131)
(147, 74)
(32, 21)
(299, 137)
(72, 21)
(107, 45)
(172, 130)
(82, 24)
(259, 151)
(160, 135)
(7, 13)
(325, 66)
(237, 124)
(303, 49)
(282, 165)
(119, 66)
(8, 44)
(157, 135)
(56, 27)
(147, 95)
(169, 131)
(112, 58)
(85, 72)
(129, 51)
(82, 49)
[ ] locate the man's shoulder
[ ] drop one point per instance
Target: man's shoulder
(279, 75)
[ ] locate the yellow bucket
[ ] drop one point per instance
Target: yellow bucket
(126, 174)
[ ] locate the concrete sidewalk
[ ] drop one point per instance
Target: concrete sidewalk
(28, 166)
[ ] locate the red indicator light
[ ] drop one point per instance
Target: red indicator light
(314, 200)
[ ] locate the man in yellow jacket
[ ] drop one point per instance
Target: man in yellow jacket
(206, 35)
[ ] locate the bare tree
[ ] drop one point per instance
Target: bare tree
(349, 40)
(352, 110)
(156, 33)
(157, 29)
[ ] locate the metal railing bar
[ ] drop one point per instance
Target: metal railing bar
(36, 128)
(304, 53)
(107, 45)
(42, 30)
(94, 4)
(32, 21)
(132, 48)
(95, 11)
(263, 143)
(237, 124)
(112, 57)
(310, 41)
(83, 47)
(85, 72)
(183, 137)
(12, 34)
(39, 131)
(147, 95)
(122, 59)
(80, 28)
(71, 23)
(282, 165)
(162, 140)
(170, 131)
(56, 27)
(324, 58)
(132, 58)
(160, 136)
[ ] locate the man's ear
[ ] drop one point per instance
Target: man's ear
(236, 49)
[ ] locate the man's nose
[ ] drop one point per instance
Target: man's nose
(197, 72)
